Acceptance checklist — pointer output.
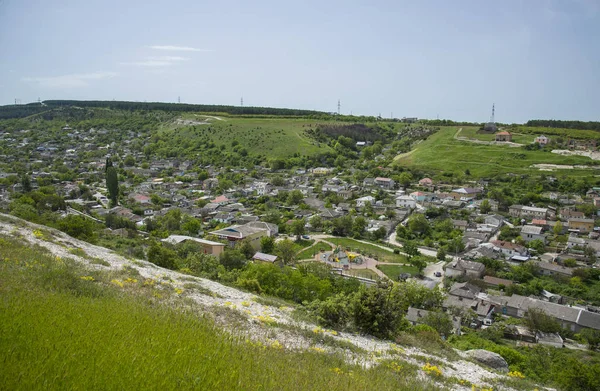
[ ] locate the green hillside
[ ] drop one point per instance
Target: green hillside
(276, 137)
(64, 327)
(443, 153)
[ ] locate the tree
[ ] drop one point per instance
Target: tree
(418, 224)
(295, 197)
(286, 251)
(441, 254)
(485, 207)
(590, 254)
(411, 249)
(112, 182)
(405, 179)
(592, 337)
(26, 183)
(232, 259)
(298, 228)
(161, 256)
(129, 161)
(537, 320)
(440, 321)
(375, 312)
(267, 244)
(246, 248)
(379, 234)
(557, 229)
(316, 223)
(191, 225)
(358, 226)
(538, 245)
(419, 262)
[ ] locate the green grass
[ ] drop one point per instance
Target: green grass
(442, 153)
(59, 331)
(369, 250)
(272, 137)
(393, 271)
(309, 253)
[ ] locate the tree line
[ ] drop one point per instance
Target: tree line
(552, 123)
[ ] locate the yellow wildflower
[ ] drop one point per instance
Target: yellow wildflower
(87, 278)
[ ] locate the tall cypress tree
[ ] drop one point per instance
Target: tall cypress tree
(112, 182)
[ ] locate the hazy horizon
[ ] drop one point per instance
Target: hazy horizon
(533, 59)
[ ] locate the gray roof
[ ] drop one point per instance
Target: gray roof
(265, 257)
(589, 319)
(416, 315)
(531, 230)
(465, 290)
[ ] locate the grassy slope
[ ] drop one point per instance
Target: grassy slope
(58, 331)
(441, 152)
(272, 137)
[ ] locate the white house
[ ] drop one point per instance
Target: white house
(406, 202)
(542, 140)
(362, 201)
(532, 232)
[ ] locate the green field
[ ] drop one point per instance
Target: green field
(272, 137)
(393, 271)
(59, 331)
(442, 153)
(369, 250)
(309, 253)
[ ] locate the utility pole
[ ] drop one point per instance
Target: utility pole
(242, 101)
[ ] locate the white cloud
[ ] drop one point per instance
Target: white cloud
(69, 81)
(177, 48)
(157, 61)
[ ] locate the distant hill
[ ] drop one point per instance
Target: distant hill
(20, 111)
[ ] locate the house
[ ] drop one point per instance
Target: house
(509, 249)
(361, 144)
(553, 269)
(465, 193)
(220, 200)
(208, 246)
(253, 232)
(504, 136)
(385, 183)
(466, 268)
(268, 258)
(460, 224)
(141, 199)
(426, 182)
(581, 225)
(572, 318)
(321, 171)
(361, 202)
(542, 140)
(567, 214)
(528, 212)
(226, 218)
(419, 196)
(532, 232)
(494, 221)
(406, 202)
(464, 290)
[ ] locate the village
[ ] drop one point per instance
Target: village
(461, 234)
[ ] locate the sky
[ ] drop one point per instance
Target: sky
(533, 59)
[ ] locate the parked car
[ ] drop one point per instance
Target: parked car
(305, 237)
(437, 274)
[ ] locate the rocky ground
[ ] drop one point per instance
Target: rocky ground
(255, 318)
